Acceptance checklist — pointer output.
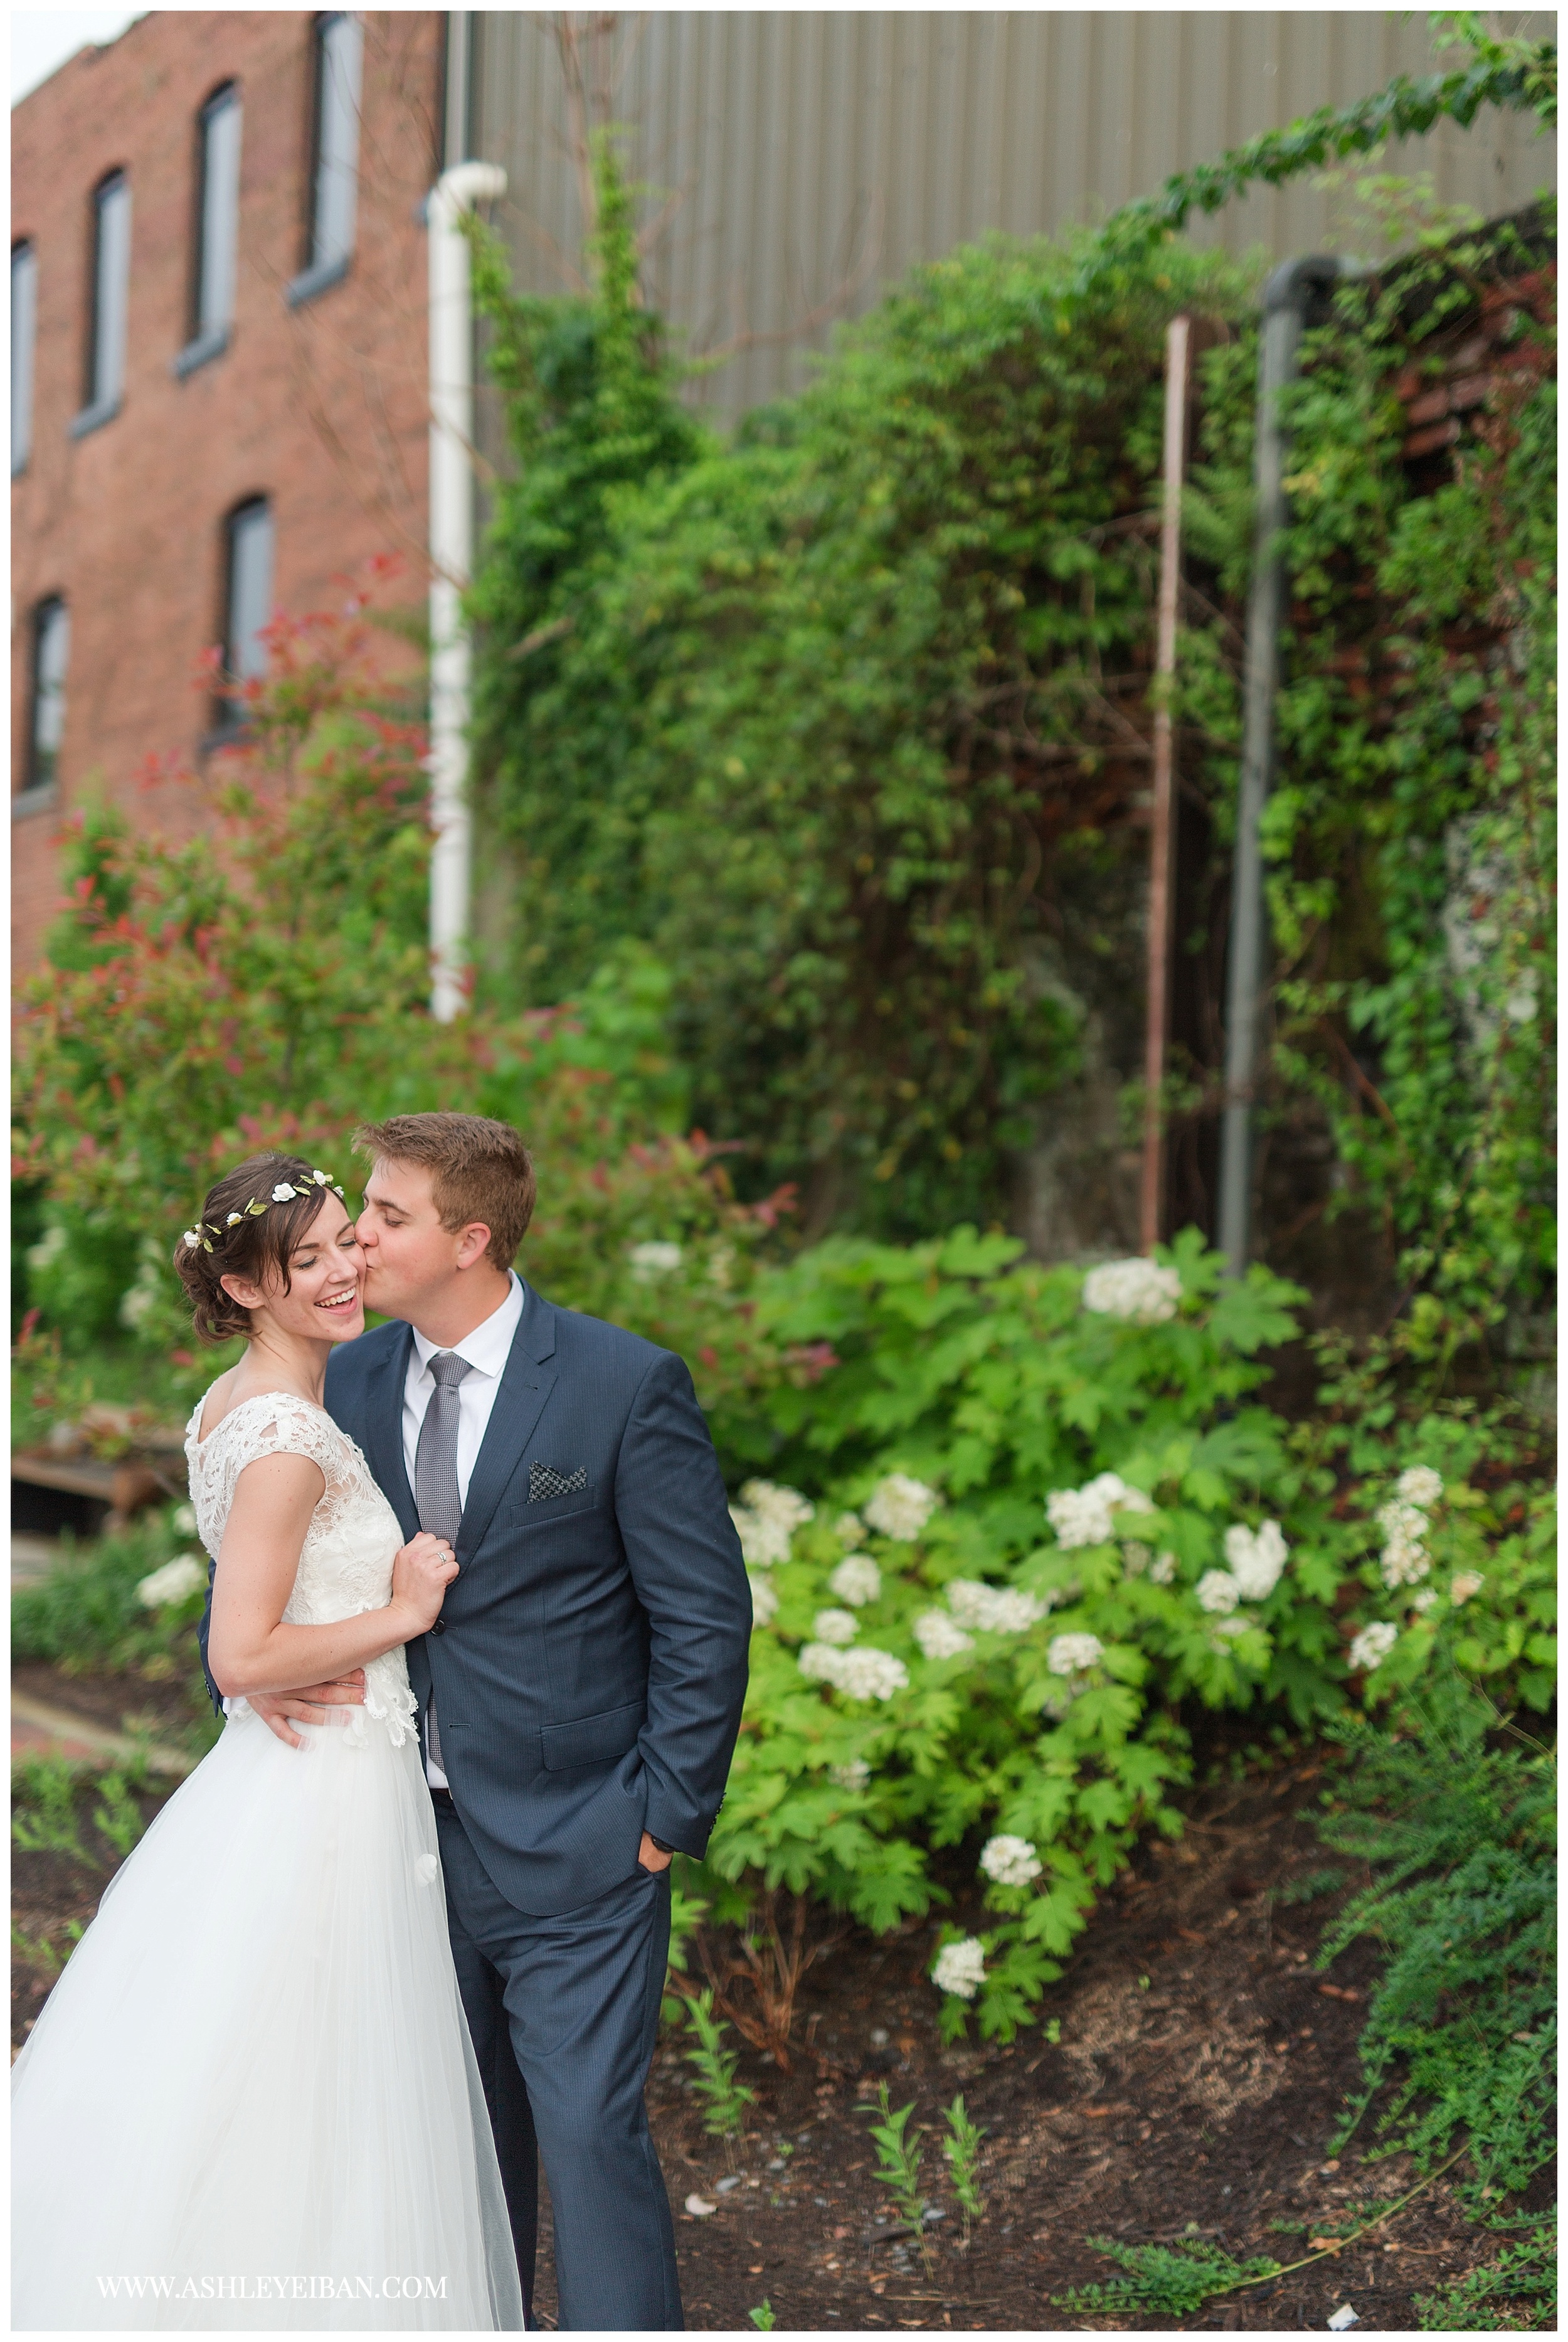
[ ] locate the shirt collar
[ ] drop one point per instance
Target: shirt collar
(488, 1347)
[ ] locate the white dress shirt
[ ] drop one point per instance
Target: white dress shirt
(486, 1350)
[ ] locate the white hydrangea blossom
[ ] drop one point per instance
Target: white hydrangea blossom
(835, 1626)
(1373, 1644)
(849, 1528)
(771, 1503)
(960, 1967)
(1405, 1560)
(1256, 1558)
(182, 1520)
(1136, 1290)
(1425, 1599)
(762, 1542)
(940, 1637)
(1218, 1590)
(1162, 1569)
(1466, 1584)
(1084, 1515)
(995, 1609)
(854, 1775)
(184, 1575)
(1420, 1486)
(900, 1507)
(765, 1519)
(1069, 1655)
(1232, 1625)
(764, 1601)
(862, 1674)
(857, 1580)
(1010, 1861)
(653, 1260)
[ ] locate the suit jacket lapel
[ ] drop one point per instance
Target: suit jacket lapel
(381, 1434)
(525, 1386)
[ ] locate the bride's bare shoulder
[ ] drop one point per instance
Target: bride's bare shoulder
(218, 1403)
(228, 1397)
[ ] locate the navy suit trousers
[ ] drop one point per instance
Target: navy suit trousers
(564, 2012)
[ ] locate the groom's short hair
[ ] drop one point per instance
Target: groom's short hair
(480, 1170)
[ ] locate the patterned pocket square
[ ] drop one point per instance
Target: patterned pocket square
(545, 1480)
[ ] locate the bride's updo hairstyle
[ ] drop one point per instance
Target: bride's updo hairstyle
(233, 1239)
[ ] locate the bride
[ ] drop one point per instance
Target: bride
(252, 2100)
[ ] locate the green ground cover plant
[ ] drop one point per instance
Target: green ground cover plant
(1451, 1810)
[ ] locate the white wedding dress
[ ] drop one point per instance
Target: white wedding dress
(251, 2101)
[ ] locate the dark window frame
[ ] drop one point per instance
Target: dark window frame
(228, 721)
(24, 248)
(204, 343)
(99, 409)
(41, 788)
(316, 274)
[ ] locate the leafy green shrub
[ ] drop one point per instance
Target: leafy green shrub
(265, 984)
(809, 715)
(1031, 1527)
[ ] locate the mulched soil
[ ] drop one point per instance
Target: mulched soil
(115, 1703)
(1201, 2068)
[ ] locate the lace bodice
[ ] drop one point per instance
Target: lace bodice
(345, 1561)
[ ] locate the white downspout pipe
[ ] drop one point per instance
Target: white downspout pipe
(451, 567)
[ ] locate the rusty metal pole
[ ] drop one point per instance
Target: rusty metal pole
(1163, 812)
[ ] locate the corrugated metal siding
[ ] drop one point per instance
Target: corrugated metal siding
(808, 158)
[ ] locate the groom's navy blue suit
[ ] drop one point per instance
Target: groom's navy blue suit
(587, 1669)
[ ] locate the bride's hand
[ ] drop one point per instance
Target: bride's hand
(422, 1570)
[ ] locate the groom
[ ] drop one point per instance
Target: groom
(580, 1693)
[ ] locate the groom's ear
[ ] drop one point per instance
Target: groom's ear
(473, 1244)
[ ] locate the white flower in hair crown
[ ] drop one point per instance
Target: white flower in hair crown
(285, 1192)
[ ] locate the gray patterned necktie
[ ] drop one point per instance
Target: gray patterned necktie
(435, 1492)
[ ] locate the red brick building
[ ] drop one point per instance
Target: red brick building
(219, 380)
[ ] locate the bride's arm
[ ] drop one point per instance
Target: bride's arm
(249, 1648)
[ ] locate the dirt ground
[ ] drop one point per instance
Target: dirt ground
(1196, 2085)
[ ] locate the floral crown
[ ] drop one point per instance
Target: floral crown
(283, 1193)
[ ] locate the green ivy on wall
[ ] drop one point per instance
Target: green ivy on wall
(844, 725)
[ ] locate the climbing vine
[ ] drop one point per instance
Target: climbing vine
(1411, 838)
(845, 725)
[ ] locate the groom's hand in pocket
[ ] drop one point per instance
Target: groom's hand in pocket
(653, 1857)
(313, 1703)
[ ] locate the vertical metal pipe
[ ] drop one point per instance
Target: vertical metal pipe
(451, 566)
(1286, 298)
(1163, 812)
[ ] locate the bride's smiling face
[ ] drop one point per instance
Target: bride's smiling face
(325, 1301)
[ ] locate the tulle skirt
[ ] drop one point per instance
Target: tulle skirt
(250, 2100)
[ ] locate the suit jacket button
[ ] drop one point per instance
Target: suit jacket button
(439, 1627)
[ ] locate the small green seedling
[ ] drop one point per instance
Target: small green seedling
(961, 2148)
(762, 2316)
(119, 1817)
(714, 2068)
(898, 2157)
